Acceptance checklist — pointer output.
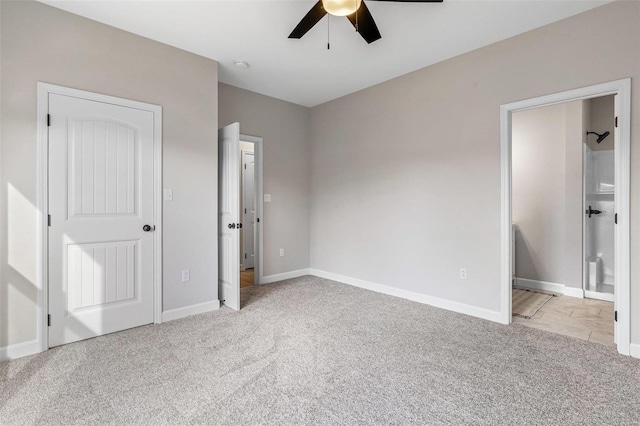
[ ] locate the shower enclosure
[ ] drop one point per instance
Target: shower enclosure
(599, 222)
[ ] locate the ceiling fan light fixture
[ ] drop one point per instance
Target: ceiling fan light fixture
(341, 7)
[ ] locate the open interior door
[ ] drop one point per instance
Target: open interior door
(228, 215)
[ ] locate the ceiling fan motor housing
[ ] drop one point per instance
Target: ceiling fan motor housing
(355, 10)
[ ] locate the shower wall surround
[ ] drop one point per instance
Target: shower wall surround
(599, 228)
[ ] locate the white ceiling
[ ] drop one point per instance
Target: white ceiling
(304, 71)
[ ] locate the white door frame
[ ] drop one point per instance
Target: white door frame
(622, 88)
(258, 236)
(42, 280)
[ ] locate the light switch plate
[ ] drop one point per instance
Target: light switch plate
(267, 198)
(186, 275)
(168, 194)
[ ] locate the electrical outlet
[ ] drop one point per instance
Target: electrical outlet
(463, 273)
(185, 275)
(267, 198)
(281, 252)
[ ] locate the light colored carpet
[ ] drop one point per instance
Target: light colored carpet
(312, 351)
(525, 303)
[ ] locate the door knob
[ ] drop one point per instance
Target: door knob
(232, 226)
(147, 228)
(590, 211)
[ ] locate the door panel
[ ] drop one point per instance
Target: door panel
(101, 194)
(228, 215)
(103, 158)
(101, 273)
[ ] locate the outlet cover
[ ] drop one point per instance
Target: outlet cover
(281, 252)
(267, 198)
(186, 276)
(168, 194)
(463, 273)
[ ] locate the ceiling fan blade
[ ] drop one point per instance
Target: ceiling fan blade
(365, 24)
(312, 17)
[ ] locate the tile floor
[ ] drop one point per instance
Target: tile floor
(586, 319)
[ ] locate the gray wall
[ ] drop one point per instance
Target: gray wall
(539, 193)
(547, 193)
(405, 176)
(40, 43)
(284, 128)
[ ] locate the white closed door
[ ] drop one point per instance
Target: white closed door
(228, 215)
(101, 195)
(249, 208)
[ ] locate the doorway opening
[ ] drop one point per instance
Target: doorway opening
(248, 203)
(565, 213)
(240, 239)
(563, 218)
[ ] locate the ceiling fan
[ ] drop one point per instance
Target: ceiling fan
(355, 10)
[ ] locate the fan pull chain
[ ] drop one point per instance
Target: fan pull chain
(328, 30)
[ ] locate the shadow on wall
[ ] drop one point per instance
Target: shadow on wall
(526, 258)
(18, 291)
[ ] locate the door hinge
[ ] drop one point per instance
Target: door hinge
(48, 120)
(48, 220)
(245, 211)
(615, 316)
(258, 219)
(615, 218)
(245, 255)
(616, 121)
(245, 167)
(48, 320)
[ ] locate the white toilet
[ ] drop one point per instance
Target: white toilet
(595, 273)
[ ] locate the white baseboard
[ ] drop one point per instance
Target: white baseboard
(461, 308)
(186, 311)
(573, 292)
(600, 296)
(552, 287)
(634, 350)
(18, 350)
(284, 276)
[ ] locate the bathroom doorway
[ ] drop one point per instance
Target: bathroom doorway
(563, 212)
(565, 216)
